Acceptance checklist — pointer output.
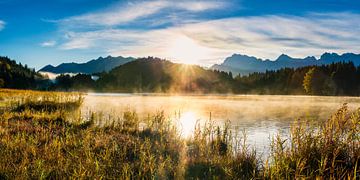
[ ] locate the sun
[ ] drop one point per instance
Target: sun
(186, 50)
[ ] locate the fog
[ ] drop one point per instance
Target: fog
(262, 116)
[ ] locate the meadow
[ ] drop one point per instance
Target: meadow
(43, 135)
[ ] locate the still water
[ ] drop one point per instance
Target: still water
(261, 116)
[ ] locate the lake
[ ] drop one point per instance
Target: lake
(261, 116)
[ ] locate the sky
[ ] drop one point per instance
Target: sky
(41, 32)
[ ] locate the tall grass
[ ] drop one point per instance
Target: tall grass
(329, 150)
(43, 135)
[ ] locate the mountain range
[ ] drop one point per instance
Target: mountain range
(93, 66)
(244, 64)
(237, 63)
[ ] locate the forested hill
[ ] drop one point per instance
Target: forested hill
(13, 75)
(157, 75)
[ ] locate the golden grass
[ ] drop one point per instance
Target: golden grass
(42, 135)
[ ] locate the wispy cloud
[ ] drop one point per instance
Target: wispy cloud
(269, 36)
(262, 36)
(50, 43)
(2, 25)
(197, 6)
(124, 13)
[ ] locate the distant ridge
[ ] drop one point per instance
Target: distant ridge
(93, 66)
(237, 63)
(243, 64)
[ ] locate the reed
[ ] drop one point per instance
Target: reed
(43, 135)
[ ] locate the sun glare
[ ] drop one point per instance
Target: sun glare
(185, 50)
(187, 123)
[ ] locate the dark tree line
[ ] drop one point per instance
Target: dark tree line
(341, 78)
(79, 82)
(155, 75)
(158, 75)
(17, 76)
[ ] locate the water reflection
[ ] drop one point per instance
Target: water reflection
(187, 122)
(261, 116)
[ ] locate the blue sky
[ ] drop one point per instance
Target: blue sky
(38, 32)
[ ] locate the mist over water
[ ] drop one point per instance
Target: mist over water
(261, 116)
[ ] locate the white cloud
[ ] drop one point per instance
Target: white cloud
(262, 36)
(269, 36)
(50, 43)
(117, 15)
(2, 25)
(198, 6)
(125, 13)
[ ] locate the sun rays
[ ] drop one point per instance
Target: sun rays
(186, 50)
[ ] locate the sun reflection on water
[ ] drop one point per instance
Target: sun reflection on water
(261, 116)
(187, 122)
